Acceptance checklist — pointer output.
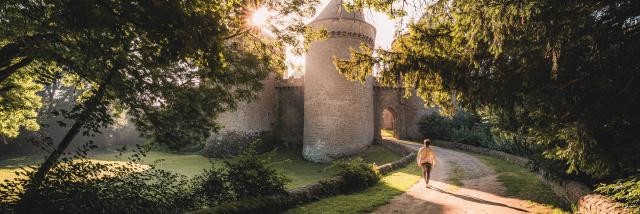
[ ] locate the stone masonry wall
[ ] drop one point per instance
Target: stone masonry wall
(290, 112)
(599, 204)
(338, 113)
(407, 112)
(254, 116)
(249, 120)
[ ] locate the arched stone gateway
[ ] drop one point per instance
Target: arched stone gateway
(406, 111)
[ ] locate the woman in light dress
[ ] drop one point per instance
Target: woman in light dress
(426, 159)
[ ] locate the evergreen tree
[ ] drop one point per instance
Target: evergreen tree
(562, 73)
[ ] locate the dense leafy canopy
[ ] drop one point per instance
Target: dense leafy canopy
(562, 73)
(173, 65)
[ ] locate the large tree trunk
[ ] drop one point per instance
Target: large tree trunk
(91, 105)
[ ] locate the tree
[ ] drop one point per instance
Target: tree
(175, 65)
(562, 73)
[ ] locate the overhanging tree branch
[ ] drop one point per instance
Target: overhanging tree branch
(7, 72)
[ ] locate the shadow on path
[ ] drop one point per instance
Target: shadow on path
(475, 199)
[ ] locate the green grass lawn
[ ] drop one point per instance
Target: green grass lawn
(289, 162)
(379, 155)
(524, 184)
(391, 185)
(386, 133)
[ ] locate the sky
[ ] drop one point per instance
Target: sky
(385, 30)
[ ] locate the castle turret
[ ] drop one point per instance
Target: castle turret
(338, 113)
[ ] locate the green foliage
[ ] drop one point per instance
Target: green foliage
(251, 176)
(465, 127)
(19, 100)
(174, 65)
(81, 186)
(625, 190)
(476, 136)
(560, 72)
(357, 174)
(435, 126)
(212, 187)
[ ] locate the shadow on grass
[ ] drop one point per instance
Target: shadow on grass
(519, 182)
(523, 184)
(368, 200)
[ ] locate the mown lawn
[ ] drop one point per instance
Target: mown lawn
(289, 162)
(524, 184)
(391, 185)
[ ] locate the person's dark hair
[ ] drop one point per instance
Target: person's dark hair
(426, 142)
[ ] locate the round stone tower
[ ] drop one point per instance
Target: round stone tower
(338, 113)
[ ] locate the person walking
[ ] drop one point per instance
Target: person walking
(426, 159)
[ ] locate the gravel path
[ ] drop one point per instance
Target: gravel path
(481, 192)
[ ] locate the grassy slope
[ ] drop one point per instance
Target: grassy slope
(289, 162)
(523, 184)
(519, 182)
(391, 185)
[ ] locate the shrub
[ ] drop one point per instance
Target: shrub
(435, 126)
(357, 174)
(250, 175)
(464, 120)
(626, 191)
(80, 186)
(212, 188)
(476, 136)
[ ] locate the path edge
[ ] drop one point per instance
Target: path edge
(579, 196)
(308, 193)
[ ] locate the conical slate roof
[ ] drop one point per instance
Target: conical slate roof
(335, 9)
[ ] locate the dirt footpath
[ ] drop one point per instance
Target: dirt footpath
(481, 192)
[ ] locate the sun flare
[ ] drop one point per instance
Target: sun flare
(260, 16)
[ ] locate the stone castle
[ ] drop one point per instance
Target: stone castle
(322, 112)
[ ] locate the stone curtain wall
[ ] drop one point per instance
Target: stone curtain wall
(255, 116)
(572, 192)
(290, 112)
(249, 122)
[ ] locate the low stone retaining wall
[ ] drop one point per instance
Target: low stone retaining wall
(309, 193)
(409, 156)
(600, 204)
(570, 191)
